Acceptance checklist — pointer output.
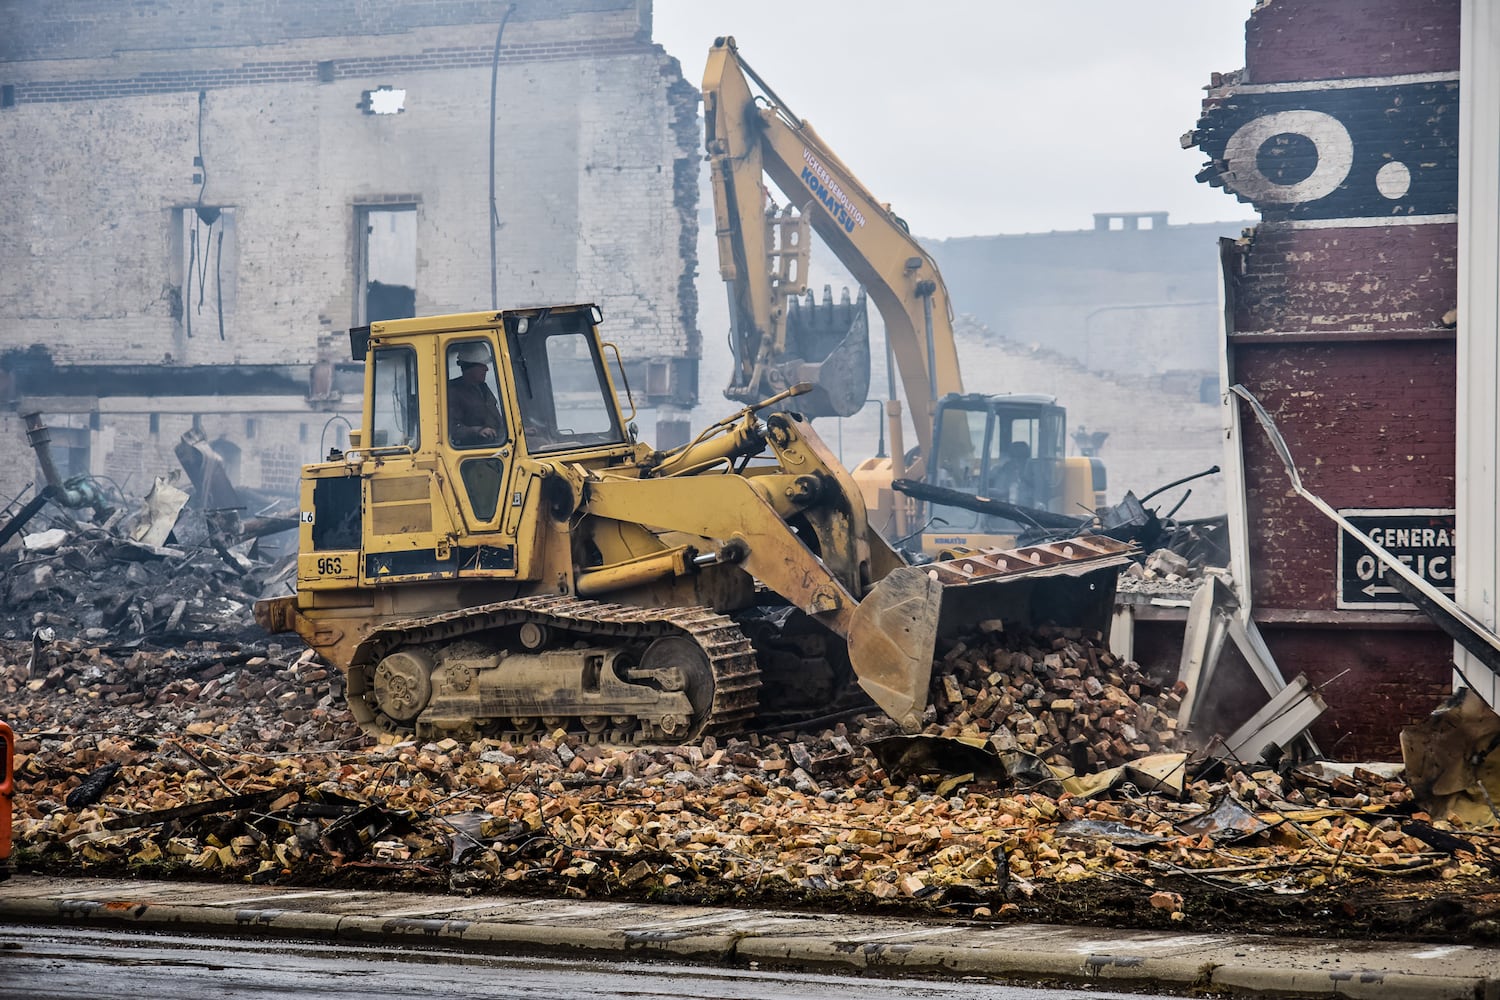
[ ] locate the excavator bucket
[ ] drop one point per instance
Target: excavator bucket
(828, 344)
(897, 627)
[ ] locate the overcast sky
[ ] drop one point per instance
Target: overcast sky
(974, 117)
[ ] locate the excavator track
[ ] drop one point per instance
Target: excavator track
(567, 623)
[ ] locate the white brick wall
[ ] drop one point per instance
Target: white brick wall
(584, 164)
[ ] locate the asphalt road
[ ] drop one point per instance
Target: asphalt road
(86, 964)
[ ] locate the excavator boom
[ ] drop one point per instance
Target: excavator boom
(749, 136)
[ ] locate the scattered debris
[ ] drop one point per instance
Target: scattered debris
(1451, 761)
(239, 761)
(157, 571)
(1195, 544)
(158, 733)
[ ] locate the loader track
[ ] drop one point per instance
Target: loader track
(730, 656)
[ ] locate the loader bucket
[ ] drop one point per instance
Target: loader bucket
(896, 629)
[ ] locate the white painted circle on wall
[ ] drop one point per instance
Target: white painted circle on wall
(1335, 151)
(1393, 180)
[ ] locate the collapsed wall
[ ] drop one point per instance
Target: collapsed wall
(218, 192)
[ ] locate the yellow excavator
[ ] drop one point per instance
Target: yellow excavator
(1009, 448)
(495, 553)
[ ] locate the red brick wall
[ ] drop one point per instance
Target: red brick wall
(1374, 681)
(1370, 423)
(1353, 281)
(1337, 326)
(1334, 39)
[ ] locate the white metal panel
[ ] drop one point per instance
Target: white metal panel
(1478, 442)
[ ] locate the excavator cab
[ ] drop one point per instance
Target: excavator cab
(561, 389)
(1008, 447)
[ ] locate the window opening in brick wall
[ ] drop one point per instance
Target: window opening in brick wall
(207, 267)
(386, 262)
(8, 96)
(70, 451)
(229, 454)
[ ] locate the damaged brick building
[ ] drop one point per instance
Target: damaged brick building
(199, 200)
(1361, 313)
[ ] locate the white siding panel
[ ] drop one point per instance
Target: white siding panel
(1479, 328)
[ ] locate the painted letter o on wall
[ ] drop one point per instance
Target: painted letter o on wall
(1335, 153)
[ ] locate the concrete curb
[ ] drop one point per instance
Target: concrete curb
(1242, 964)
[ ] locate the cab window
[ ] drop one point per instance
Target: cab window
(475, 419)
(561, 388)
(393, 407)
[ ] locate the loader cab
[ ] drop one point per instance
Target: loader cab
(1009, 448)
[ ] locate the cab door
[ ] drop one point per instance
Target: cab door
(407, 524)
(478, 451)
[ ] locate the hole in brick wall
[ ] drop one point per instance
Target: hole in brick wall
(383, 101)
(658, 378)
(7, 96)
(325, 71)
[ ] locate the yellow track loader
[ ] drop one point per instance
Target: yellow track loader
(495, 554)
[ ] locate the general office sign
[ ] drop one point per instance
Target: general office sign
(1422, 538)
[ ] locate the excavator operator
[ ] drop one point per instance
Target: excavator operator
(1008, 481)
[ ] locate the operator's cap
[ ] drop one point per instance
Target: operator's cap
(473, 354)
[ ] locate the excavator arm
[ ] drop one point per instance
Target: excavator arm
(750, 135)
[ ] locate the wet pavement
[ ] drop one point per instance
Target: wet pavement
(733, 938)
(64, 963)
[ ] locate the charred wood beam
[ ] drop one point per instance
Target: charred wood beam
(984, 505)
(25, 514)
(34, 379)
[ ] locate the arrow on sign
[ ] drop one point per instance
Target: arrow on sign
(1372, 590)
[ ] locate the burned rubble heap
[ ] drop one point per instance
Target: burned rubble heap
(160, 733)
(80, 559)
(240, 762)
(93, 584)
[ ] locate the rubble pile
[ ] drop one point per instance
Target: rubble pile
(99, 583)
(245, 694)
(1055, 692)
(240, 762)
(1165, 574)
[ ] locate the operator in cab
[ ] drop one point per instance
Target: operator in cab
(1008, 480)
(473, 411)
